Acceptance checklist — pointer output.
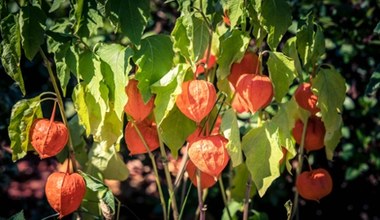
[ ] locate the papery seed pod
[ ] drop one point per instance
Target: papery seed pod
(238, 104)
(315, 133)
(314, 184)
(306, 99)
(207, 180)
(209, 154)
(148, 130)
(197, 99)
(48, 137)
(248, 65)
(202, 62)
(65, 192)
(255, 90)
(136, 107)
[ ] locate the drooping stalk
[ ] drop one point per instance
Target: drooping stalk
(223, 191)
(60, 105)
(168, 177)
(152, 159)
(299, 167)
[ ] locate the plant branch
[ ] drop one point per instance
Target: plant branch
(151, 156)
(60, 104)
(299, 167)
(223, 191)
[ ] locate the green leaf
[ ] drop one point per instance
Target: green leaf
(32, 26)
(166, 90)
(176, 123)
(239, 183)
(108, 161)
(154, 60)
(131, 16)
(282, 73)
(258, 31)
(10, 50)
(230, 129)
(263, 153)
(327, 82)
(23, 114)
(285, 120)
(199, 36)
(234, 9)
(233, 207)
(18, 216)
(310, 44)
(232, 48)
(374, 82)
(181, 42)
(117, 57)
(290, 50)
(88, 18)
(276, 17)
(377, 29)
(56, 4)
(63, 71)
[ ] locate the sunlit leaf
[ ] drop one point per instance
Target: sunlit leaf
(263, 153)
(282, 73)
(23, 114)
(181, 41)
(290, 50)
(88, 18)
(234, 9)
(230, 129)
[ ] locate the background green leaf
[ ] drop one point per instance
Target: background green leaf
(374, 82)
(230, 130)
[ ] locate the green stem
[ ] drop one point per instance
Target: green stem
(151, 156)
(60, 105)
(247, 197)
(168, 177)
(299, 167)
(185, 200)
(201, 209)
(222, 189)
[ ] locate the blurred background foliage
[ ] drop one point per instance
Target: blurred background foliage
(352, 33)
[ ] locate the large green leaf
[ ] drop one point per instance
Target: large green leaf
(276, 17)
(199, 35)
(310, 43)
(282, 73)
(327, 82)
(131, 16)
(239, 183)
(166, 90)
(10, 49)
(32, 26)
(230, 129)
(263, 153)
(232, 48)
(23, 114)
(108, 161)
(174, 130)
(154, 60)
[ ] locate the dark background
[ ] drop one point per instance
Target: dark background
(352, 47)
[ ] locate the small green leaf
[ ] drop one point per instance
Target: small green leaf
(10, 50)
(18, 216)
(377, 29)
(199, 35)
(154, 60)
(181, 42)
(56, 4)
(263, 153)
(180, 125)
(230, 129)
(282, 73)
(131, 16)
(374, 82)
(290, 50)
(166, 90)
(276, 17)
(23, 114)
(239, 183)
(310, 44)
(233, 45)
(32, 26)
(327, 82)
